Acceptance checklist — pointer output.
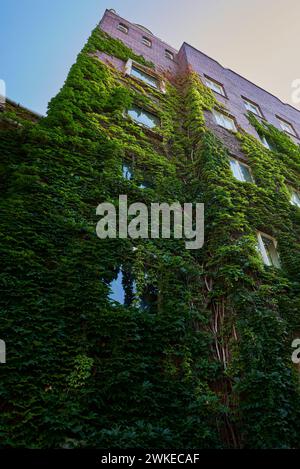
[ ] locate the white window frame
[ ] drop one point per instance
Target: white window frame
(169, 54)
(122, 27)
(222, 120)
(215, 86)
(241, 176)
(263, 252)
(250, 105)
(287, 127)
(146, 41)
(161, 83)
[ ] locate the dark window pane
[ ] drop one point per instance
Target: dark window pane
(149, 298)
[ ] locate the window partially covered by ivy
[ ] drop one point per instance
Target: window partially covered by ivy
(143, 117)
(267, 247)
(138, 175)
(143, 76)
(123, 290)
(123, 287)
(127, 171)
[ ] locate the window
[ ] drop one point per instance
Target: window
(265, 142)
(225, 121)
(286, 127)
(123, 290)
(143, 117)
(136, 70)
(117, 292)
(241, 171)
(252, 107)
(169, 54)
(267, 247)
(127, 172)
(122, 27)
(295, 198)
(213, 85)
(147, 42)
(120, 294)
(149, 79)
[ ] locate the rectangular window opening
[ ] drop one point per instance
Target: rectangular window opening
(295, 197)
(225, 121)
(169, 54)
(265, 142)
(286, 127)
(127, 171)
(143, 76)
(122, 27)
(267, 247)
(215, 86)
(252, 107)
(122, 289)
(147, 42)
(145, 118)
(241, 171)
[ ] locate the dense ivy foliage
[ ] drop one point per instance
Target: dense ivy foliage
(208, 365)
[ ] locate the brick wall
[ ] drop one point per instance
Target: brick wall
(133, 39)
(190, 58)
(236, 87)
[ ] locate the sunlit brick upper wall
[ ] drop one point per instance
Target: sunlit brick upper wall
(188, 57)
(133, 39)
(237, 87)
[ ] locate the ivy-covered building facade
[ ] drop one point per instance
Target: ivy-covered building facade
(143, 343)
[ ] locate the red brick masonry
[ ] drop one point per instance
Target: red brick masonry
(190, 58)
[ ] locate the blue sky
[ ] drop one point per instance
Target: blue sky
(40, 39)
